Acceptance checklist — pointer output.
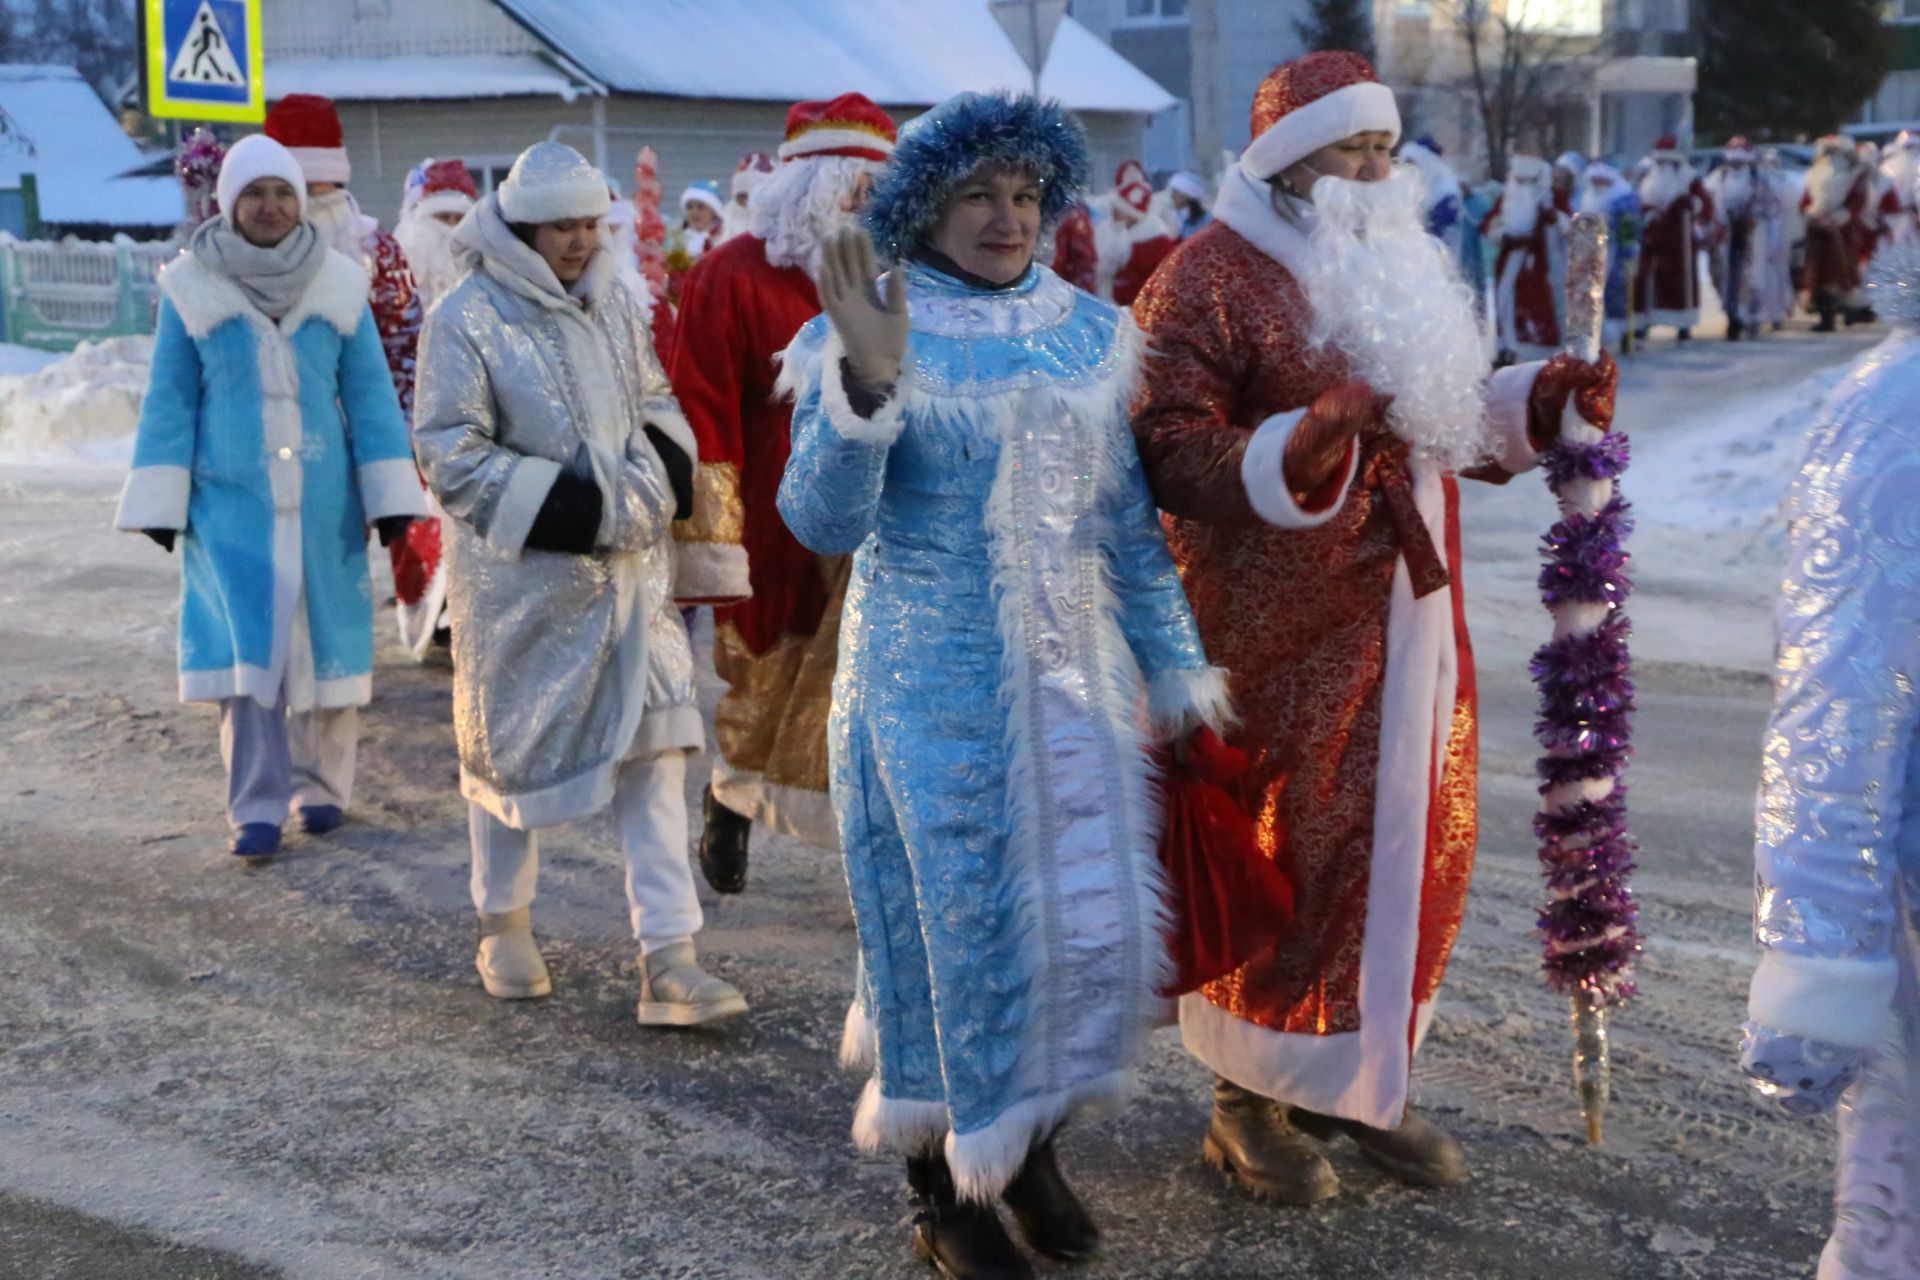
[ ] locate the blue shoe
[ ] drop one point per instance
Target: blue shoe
(255, 840)
(318, 819)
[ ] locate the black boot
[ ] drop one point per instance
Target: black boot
(963, 1240)
(1734, 330)
(1051, 1217)
(723, 846)
(1685, 334)
(1826, 309)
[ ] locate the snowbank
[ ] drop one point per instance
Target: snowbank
(80, 407)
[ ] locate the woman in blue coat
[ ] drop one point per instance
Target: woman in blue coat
(269, 439)
(1015, 643)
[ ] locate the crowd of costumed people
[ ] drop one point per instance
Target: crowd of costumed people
(1084, 567)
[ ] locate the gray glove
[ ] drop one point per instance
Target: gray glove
(1806, 1077)
(872, 329)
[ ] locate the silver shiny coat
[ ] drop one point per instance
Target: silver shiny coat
(564, 664)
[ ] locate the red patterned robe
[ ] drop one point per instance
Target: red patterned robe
(1523, 279)
(1146, 256)
(1667, 287)
(1076, 256)
(776, 650)
(1837, 238)
(1343, 633)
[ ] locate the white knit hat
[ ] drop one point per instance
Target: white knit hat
(551, 181)
(253, 157)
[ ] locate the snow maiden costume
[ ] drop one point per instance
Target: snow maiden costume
(1834, 1013)
(1336, 607)
(552, 442)
(1014, 642)
(269, 438)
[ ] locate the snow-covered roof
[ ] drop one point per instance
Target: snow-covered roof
(75, 149)
(420, 76)
(894, 51)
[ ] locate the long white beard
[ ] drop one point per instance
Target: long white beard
(1519, 209)
(1828, 185)
(1664, 185)
(428, 244)
(799, 204)
(337, 217)
(737, 222)
(1594, 199)
(1902, 169)
(1736, 193)
(1387, 295)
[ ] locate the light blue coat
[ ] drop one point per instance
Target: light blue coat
(270, 448)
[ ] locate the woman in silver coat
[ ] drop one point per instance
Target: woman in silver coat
(548, 434)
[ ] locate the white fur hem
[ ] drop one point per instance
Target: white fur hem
(986, 1160)
(576, 797)
(1356, 108)
(710, 573)
(883, 428)
(1263, 474)
(155, 497)
(244, 680)
(898, 1126)
(1841, 1002)
(391, 487)
(1506, 417)
(1200, 690)
(792, 811)
(859, 1043)
(527, 487)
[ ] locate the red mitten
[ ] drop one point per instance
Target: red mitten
(1592, 387)
(1320, 442)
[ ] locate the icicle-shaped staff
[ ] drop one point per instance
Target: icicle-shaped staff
(648, 225)
(1586, 700)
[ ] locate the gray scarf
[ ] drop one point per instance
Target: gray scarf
(272, 279)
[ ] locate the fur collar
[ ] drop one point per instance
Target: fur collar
(206, 300)
(1246, 205)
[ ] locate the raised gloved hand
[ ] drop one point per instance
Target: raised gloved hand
(1806, 1077)
(392, 528)
(872, 329)
(163, 537)
(1319, 443)
(1591, 385)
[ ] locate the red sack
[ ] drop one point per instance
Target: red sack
(1231, 902)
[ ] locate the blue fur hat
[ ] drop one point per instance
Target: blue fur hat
(937, 150)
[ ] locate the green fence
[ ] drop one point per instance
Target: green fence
(55, 295)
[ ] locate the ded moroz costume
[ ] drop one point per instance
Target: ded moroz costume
(1677, 214)
(1526, 223)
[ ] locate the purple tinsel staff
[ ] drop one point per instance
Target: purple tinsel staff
(1586, 702)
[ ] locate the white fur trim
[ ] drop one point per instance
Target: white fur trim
(859, 1042)
(527, 487)
(700, 195)
(324, 164)
(1841, 1002)
(884, 427)
(792, 811)
(1354, 108)
(986, 1160)
(154, 497)
(1363, 1075)
(1263, 474)
(1245, 203)
(1202, 691)
(710, 573)
(443, 202)
(206, 299)
(1676, 319)
(1507, 394)
(337, 295)
(819, 141)
(582, 197)
(391, 487)
(897, 1126)
(666, 418)
(252, 158)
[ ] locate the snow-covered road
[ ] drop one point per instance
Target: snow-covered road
(292, 1070)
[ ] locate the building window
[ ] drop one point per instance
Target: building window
(1144, 11)
(488, 172)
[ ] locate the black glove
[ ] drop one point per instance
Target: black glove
(569, 519)
(162, 536)
(679, 472)
(392, 528)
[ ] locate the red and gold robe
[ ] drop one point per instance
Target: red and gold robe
(1343, 633)
(777, 604)
(1667, 287)
(1523, 279)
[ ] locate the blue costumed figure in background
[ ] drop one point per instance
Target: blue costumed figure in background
(1015, 645)
(1834, 1014)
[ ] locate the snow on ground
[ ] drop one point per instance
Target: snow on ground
(77, 408)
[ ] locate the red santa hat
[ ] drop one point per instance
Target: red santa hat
(307, 125)
(1131, 185)
(1314, 102)
(849, 125)
(1666, 147)
(1832, 144)
(447, 188)
(750, 173)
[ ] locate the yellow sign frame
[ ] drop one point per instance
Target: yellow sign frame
(164, 105)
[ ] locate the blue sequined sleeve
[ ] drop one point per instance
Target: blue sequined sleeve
(830, 492)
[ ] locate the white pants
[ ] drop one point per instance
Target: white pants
(650, 805)
(279, 760)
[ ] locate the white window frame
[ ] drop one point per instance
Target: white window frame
(486, 164)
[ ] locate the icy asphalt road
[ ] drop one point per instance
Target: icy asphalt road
(214, 1072)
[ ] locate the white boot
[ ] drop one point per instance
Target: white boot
(509, 963)
(675, 992)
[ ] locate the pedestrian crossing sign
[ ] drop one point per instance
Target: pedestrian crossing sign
(203, 60)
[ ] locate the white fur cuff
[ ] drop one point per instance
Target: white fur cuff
(859, 1043)
(1506, 416)
(1200, 690)
(155, 497)
(513, 516)
(1840, 1002)
(897, 1126)
(883, 428)
(710, 573)
(391, 487)
(1263, 473)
